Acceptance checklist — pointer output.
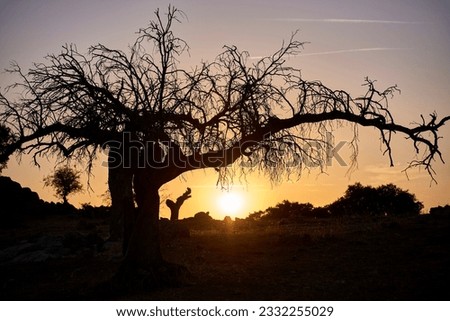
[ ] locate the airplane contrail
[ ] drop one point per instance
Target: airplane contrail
(349, 51)
(345, 21)
(336, 52)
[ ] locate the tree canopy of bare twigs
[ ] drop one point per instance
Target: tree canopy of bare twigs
(74, 103)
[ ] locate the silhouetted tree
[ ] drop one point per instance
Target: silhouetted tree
(389, 199)
(393, 200)
(65, 181)
(175, 206)
(158, 121)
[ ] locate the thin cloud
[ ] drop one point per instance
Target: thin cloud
(334, 52)
(380, 174)
(349, 51)
(346, 21)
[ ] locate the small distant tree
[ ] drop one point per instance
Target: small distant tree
(65, 181)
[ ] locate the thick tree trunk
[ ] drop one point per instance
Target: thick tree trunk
(144, 246)
(144, 266)
(123, 213)
(122, 204)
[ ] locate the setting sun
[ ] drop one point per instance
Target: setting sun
(230, 203)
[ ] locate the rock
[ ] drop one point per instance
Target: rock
(14, 251)
(32, 257)
(17, 202)
(48, 247)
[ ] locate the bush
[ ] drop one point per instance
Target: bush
(284, 210)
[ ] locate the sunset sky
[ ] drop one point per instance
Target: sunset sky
(403, 42)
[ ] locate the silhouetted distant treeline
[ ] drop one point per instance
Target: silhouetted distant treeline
(18, 203)
(358, 200)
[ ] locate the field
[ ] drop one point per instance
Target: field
(65, 258)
